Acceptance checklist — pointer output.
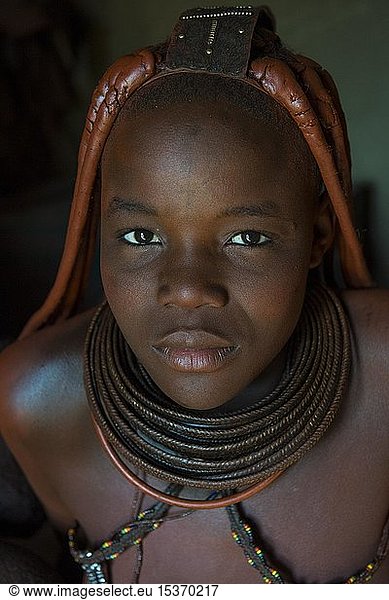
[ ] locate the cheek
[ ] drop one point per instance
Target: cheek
(273, 296)
(128, 292)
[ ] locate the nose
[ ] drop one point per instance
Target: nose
(192, 283)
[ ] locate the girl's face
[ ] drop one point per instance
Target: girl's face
(207, 237)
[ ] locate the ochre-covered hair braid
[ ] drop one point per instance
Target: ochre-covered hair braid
(297, 83)
(315, 112)
(118, 83)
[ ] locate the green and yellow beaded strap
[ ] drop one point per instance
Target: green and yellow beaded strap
(243, 535)
(367, 573)
(132, 534)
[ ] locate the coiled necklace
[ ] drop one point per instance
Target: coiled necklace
(242, 451)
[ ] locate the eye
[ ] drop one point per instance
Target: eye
(249, 238)
(141, 237)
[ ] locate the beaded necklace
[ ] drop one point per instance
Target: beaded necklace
(132, 534)
(243, 535)
(129, 535)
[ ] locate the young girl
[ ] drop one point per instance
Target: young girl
(222, 418)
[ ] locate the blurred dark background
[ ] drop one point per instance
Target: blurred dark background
(52, 54)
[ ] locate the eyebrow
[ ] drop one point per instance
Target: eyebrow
(255, 210)
(130, 206)
(269, 209)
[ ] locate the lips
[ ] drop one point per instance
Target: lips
(195, 351)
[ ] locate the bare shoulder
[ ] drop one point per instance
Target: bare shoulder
(39, 371)
(43, 409)
(42, 399)
(368, 311)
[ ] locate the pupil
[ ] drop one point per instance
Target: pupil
(251, 237)
(143, 236)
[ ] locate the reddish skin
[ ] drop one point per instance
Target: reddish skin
(323, 518)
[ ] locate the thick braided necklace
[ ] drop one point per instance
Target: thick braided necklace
(142, 428)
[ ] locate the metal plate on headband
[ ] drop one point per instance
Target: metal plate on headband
(214, 39)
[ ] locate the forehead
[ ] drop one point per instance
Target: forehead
(234, 103)
(201, 134)
(203, 143)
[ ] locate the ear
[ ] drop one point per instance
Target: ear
(323, 230)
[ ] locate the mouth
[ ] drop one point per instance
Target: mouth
(195, 351)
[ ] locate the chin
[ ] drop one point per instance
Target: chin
(201, 404)
(201, 398)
